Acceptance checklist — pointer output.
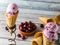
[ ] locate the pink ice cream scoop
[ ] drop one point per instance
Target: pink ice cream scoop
(50, 31)
(12, 9)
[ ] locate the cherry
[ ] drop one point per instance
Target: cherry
(27, 26)
(6, 28)
(20, 28)
(23, 30)
(26, 23)
(24, 26)
(41, 25)
(23, 37)
(22, 23)
(27, 30)
(19, 35)
(30, 22)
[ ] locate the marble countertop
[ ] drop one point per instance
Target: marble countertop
(4, 35)
(28, 10)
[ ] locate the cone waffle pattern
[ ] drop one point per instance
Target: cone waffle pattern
(47, 42)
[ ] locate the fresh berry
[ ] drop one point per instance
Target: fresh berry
(6, 28)
(23, 37)
(27, 30)
(24, 26)
(27, 26)
(41, 25)
(33, 28)
(23, 30)
(26, 23)
(20, 28)
(29, 21)
(19, 35)
(22, 23)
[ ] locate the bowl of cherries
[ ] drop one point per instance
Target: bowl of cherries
(27, 28)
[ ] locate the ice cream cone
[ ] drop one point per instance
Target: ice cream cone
(45, 20)
(57, 18)
(38, 34)
(11, 16)
(37, 41)
(11, 20)
(47, 42)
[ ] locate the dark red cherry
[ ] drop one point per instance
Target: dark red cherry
(23, 37)
(20, 28)
(23, 30)
(27, 30)
(6, 28)
(24, 26)
(22, 23)
(26, 22)
(19, 35)
(41, 25)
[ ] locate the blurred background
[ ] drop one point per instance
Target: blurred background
(31, 9)
(33, 6)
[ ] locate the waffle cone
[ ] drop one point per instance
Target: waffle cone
(57, 18)
(37, 41)
(38, 34)
(11, 21)
(45, 20)
(47, 42)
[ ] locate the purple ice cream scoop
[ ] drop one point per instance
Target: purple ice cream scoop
(12, 9)
(50, 31)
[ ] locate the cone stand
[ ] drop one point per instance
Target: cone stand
(12, 31)
(11, 26)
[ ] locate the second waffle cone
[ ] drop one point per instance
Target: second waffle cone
(45, 20)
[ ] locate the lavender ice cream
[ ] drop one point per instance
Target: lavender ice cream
(50, 31)
(12, 9)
